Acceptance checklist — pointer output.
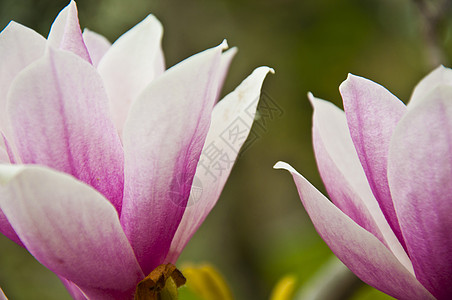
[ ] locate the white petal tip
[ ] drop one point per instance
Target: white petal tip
(152, 19)
(280, 165)
(311, 97)
(265, 69)
(441, 69)
(150, 25)
(72, 6)
(224, 45)
(350, 80)
(313, 100)
(11, 24)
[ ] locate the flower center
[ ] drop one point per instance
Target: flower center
(160, 284)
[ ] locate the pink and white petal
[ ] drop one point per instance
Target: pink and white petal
(5, 227)
(71, 229)
(159, 64)
(372, 114)
(8, 153)
(439, 76)
(96, 44)
(226, 59)
(4, 157)
(60, 115)
(73, 289)
(344, 176)
(420, 175)
(238, 106)
(7, 230)
(66, 34)
(19, 47)
(130, 64)
(2, 295)
(358, 249)
(163, 138)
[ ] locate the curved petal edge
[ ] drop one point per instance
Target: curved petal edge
(358, 249)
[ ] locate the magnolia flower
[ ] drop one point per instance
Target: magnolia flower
(388, 169)
(100, 146)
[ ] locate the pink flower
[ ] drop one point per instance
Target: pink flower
(100, 146)
(388, 170)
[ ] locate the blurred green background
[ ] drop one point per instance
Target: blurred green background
(258, 231)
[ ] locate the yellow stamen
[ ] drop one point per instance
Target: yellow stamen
(207, 282)
(160, 284)
(284, 289)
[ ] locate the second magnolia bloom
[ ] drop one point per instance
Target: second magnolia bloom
(388, 170)
(101, 146)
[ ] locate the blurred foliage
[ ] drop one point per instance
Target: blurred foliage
(259, 231)
(206, 282)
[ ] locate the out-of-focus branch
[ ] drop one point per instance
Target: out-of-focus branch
(334, 281)
(433, 13)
